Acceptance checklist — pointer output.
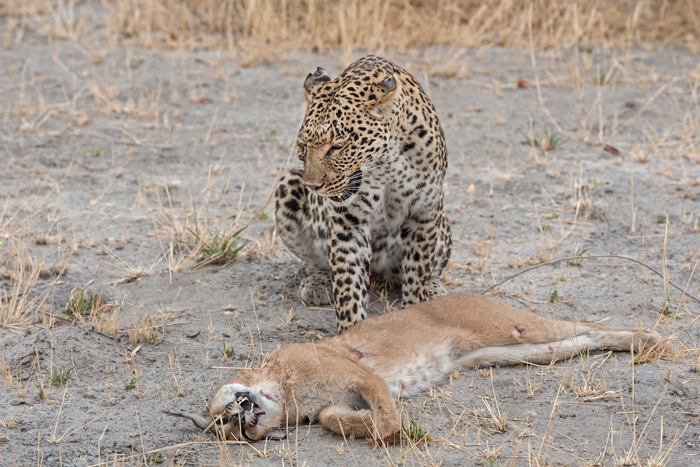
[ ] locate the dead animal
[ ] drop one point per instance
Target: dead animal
(349, 383)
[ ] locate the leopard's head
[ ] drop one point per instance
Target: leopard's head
(348, 126)
(248, 408)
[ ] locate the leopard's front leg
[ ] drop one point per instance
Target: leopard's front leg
(350, 256)
(419, 237)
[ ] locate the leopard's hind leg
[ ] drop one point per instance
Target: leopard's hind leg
(300, 216)
(316, 289)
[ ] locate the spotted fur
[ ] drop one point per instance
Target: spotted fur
(369, 200)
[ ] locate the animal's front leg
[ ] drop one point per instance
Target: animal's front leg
(418, 239)
(381, 423)
(350, 256)
(347, 421)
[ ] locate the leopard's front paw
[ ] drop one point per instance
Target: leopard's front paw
(435, 289)
(316, 288)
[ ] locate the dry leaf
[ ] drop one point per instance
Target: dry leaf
(422, 445)
(100, 305)
(523, 84)
(611, 149)
(128, 358)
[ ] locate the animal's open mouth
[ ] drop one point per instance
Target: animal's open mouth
(249, 406)
(351, 189)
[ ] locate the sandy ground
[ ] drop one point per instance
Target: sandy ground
(92, 178)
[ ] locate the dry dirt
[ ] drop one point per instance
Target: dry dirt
(93, 179)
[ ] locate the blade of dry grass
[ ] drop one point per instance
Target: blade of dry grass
(263, 26)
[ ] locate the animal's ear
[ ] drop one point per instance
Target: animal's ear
(385, 90)
(313, 83)
(202, 420)
(382, 96)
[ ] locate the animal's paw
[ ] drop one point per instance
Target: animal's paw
(435, 289)
(650, 339)
(316, 289)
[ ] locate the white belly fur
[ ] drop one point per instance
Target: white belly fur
(420, 371)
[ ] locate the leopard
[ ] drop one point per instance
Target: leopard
(349, 383)
(368, 204)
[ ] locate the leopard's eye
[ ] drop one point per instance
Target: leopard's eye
(301, 152)
(335, 148)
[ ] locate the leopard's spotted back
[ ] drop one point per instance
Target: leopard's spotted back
(370, 198)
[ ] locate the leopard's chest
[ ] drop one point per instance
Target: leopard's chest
(385, 197)
(384, 203)
(384, 210)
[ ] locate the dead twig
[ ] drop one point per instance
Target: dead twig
(569, 258)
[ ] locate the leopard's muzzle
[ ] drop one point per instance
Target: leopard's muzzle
(354, 182)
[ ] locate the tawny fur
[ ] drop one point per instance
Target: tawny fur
(349, 383)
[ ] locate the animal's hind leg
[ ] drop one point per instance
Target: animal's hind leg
(485, 321)
(548, 352)
(316, 289)
(301, 223)
(300, 216)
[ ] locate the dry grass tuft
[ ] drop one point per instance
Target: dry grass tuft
(496, 422)
(92, 310)
(669, 349)
(259, 28)
(23, 268)
(147, 330)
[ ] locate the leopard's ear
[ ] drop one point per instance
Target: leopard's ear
(382, 96)
(385, 90)
(313, 83)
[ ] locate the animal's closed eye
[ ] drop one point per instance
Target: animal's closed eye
(335, 148)
(301, 151)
